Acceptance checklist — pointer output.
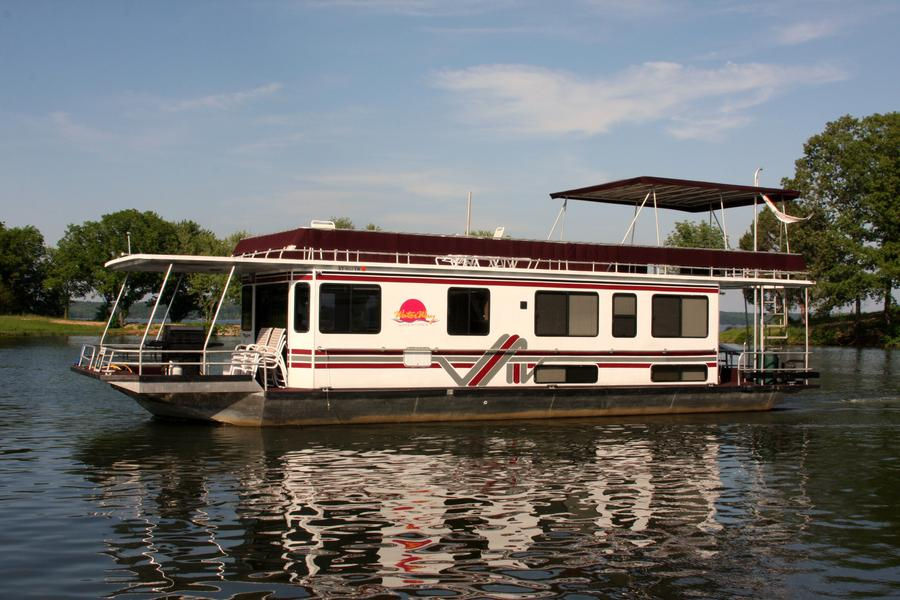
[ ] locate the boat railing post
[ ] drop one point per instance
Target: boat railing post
(113, 311)
(212, 325)
(150, 320)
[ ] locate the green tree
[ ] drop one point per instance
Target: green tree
(695, 235)
(84, 249)
(342, 223)
(849, 176)
(24, 262)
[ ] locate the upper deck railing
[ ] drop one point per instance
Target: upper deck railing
(501, 263)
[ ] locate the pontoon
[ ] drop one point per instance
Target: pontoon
(346, 326)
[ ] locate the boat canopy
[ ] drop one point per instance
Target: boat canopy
(159, 263)
(676, 194)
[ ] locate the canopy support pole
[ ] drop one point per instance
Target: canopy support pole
(150, 320)
(169, 305)
(212, 325)
(561, 213)
(156, 305)
(656, 214)
(633, 220)
(723, 225)
(113, 311)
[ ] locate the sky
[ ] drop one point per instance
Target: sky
(261, 116)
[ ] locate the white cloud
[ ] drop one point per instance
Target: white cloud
(420, 183)
(524, 99)
(418, 8)
(76, 132)
(269, 144)
(805, 31)
(223, 101)
(709, 129)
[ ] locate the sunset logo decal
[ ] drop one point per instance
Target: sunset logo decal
(413, 311)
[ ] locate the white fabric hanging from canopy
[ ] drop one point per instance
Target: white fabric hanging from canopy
(781, 216)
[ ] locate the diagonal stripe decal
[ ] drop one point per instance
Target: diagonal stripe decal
(488, 364)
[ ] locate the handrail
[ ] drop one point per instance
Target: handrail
(494, 262)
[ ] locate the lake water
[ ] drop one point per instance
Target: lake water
(99, 499)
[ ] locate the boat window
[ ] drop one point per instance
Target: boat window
(572, 314)
(624, 315)
(347, 308)
(271, 306)
(565, 374)
(247, 308)
(468, 311)
(678, 373)
(680, 316)
(301, 307)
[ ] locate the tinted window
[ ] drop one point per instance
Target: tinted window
(624, 315)
(565, 374)
(271, 306)
(301, 307)
(678, 373)
(247, 308)
(468, 311)
(349, 308)
(680, 316)
(565, 314)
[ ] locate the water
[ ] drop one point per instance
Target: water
(99, 499)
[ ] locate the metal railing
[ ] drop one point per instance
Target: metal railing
(773, 365)
(112, 359)
(473, 261)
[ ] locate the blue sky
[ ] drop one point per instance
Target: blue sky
(264, 115)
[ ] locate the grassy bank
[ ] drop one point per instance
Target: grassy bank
(837, 330)
(17, 325)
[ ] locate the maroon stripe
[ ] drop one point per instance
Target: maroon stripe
(511, 283)
(486, 369)
(548, 353)
(623, 365)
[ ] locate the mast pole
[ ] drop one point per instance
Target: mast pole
(468, 212)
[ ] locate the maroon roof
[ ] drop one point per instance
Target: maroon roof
(377, 246)
(677, 194)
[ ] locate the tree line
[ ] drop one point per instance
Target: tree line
(848, 176)
(43, 280)
(849, 181)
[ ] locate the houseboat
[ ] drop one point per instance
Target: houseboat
(347, 326)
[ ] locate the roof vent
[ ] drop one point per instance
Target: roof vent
(316, 224)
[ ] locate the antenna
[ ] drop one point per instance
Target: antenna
(755, 211)
(468, 212)
(128, 237)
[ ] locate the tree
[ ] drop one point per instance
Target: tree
(342, 223)
(849, 176)
(24, 262)
(85, 248)
(695, 235)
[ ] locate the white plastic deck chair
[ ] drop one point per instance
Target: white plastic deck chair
(276, 371)
(262, 340)
(245, 359)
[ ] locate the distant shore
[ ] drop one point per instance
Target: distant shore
(837, 330)
(32, 325)
(831, 331)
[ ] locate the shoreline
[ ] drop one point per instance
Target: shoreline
(833, 331)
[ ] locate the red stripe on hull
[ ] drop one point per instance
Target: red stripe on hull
(497, 355)
(512, 283)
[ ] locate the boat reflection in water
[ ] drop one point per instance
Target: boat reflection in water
(471, 509)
